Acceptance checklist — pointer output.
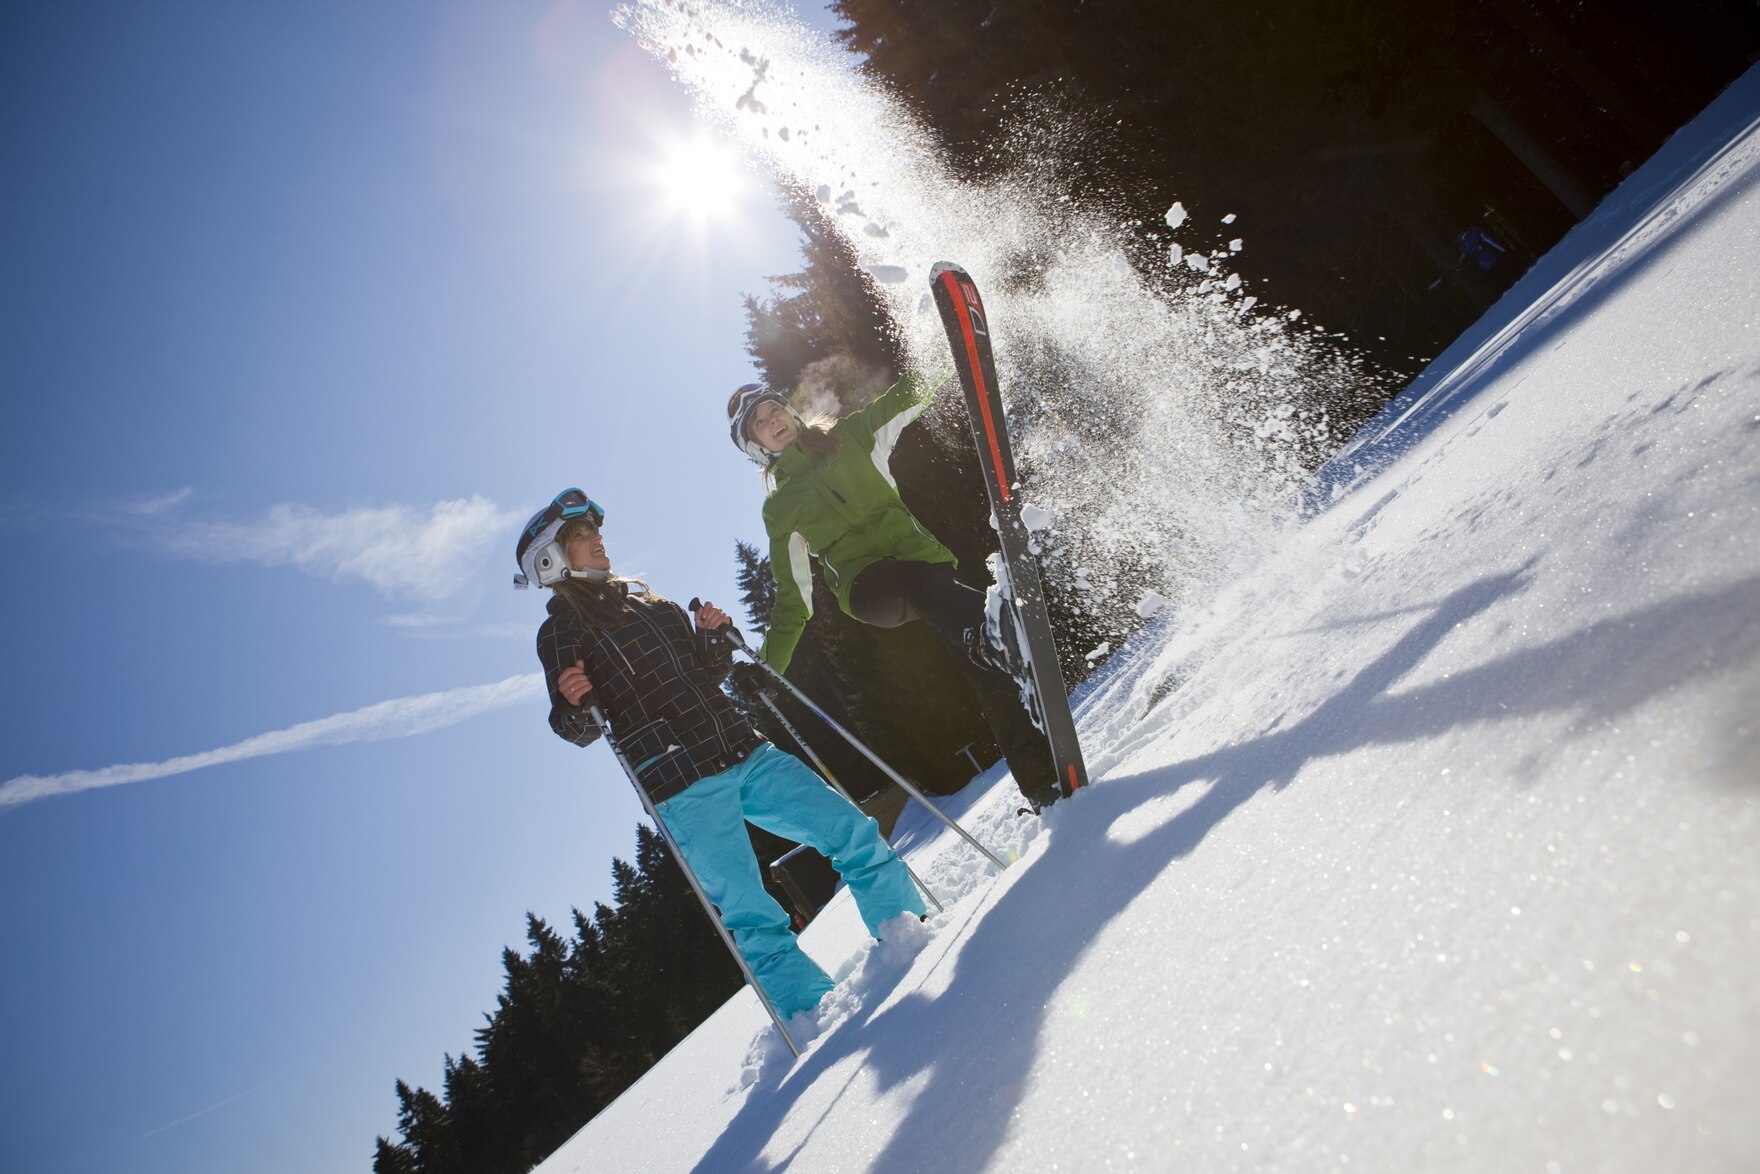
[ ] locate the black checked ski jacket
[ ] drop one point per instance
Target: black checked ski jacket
(658, 680)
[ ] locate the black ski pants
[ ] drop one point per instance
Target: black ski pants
(892, 592)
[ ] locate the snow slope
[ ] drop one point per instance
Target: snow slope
(1428, 844)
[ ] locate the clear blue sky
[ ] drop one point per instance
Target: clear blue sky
(307, 305)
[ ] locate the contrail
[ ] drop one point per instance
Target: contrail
(398, 718)
(199, 1113)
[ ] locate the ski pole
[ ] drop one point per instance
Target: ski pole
(732, 635)
(690, 875)
(825, 771)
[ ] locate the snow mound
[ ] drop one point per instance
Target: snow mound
(1426, 842)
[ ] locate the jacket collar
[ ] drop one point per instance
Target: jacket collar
(790, 461)
(560, 606)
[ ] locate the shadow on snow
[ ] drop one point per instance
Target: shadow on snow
(1019, 953)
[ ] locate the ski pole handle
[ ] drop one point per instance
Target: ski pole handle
(730, 633)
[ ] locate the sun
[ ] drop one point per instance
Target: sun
(700, 179)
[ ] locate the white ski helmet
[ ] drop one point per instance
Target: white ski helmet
(539, 550)
(740, 408)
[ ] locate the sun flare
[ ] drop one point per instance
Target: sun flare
(700, 179)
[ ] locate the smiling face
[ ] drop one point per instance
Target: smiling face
(773, 426)
(584, 547)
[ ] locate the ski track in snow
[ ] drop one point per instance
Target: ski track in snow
(1429, 843)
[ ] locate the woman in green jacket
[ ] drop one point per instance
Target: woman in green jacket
(834, 496)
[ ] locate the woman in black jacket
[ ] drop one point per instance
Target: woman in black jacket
(657, 678)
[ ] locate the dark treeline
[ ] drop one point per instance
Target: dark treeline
(579, 1019)
(1393, 166)
(1356, 140)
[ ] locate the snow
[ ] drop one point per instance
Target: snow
(1176, 215)
(1035, 518)
(1427, 841)
(888, 274)
(1150, 605)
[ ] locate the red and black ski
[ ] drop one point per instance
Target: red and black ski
(968, 332)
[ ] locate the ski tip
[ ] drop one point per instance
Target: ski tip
(940, 267)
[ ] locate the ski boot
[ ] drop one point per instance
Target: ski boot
(999, 642)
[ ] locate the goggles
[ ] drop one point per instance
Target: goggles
(568, 505)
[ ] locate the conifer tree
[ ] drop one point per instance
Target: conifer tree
(1348, 135)
(830, 308)
(576, 1023)
(427, 1132)
(757, 587)
(393, 1159)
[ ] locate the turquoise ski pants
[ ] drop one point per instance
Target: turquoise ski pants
(780, 793)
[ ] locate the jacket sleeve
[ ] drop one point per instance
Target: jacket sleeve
(901, 403)
(558, 648)
(793, 573)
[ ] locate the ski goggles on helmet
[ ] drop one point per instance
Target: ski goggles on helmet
(539, 551)
(572, 503)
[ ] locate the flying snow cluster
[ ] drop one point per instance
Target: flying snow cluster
(1169, 423)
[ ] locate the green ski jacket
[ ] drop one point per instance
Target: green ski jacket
(846, 510)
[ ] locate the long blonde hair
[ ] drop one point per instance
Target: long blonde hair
(602, 603)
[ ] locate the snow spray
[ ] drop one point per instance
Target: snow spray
(1162, 420)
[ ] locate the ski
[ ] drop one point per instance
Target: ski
(968, 332)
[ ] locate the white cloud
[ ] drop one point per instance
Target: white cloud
(149, 506)
(399, 550)
(423, 626)
(419, 620)
(398, 718)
